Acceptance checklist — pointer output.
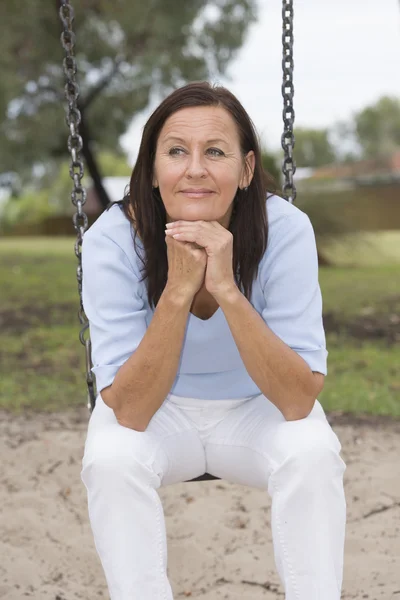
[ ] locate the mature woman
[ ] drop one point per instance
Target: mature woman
(201, 290)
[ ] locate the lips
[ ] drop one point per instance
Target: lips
(197, 191)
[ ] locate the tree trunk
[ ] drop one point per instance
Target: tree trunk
(91, 162)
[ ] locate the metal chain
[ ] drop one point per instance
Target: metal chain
(78, 194)
(287, 140)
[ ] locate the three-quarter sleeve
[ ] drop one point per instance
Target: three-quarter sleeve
(113, 305)
(291, 290)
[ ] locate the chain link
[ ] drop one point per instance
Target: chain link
(287, 140)
(76, 171)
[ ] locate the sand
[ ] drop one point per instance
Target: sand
(219, 536)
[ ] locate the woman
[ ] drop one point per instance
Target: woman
(201, 290)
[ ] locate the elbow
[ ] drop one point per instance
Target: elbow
(139, 428)
(107, 396)
(318, 383)
(303, 408)
(298, 413)
(130, 422)
(124, 413)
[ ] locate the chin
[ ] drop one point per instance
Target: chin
(197, 215)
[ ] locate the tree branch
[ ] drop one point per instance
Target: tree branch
(101, 85)
(91, 161)
(138, 47)
(59, 96)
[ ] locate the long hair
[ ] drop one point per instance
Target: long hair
(144, 207)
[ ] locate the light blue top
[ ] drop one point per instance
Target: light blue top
(285, 293)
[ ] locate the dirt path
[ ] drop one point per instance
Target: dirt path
(219, 535)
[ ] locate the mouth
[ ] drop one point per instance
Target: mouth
(197, 193)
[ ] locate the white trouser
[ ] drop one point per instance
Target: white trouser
(245, 441)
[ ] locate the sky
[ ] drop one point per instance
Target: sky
(346, 56)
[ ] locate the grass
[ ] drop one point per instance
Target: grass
(40, 246)
(42, 364)
(362, 377)
(355, 291)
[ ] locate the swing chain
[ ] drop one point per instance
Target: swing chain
(288, 140)
(76, 171)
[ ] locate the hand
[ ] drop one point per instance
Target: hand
(186, 267)
(218, 245)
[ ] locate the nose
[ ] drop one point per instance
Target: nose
(196, 167)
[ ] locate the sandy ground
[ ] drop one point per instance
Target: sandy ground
(219, 535)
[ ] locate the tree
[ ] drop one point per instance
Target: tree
(50, 193)
(270, 164)
(313, 147)
(59, 186)
(114, 164)
(371, 133)
(377, 128)
(128, 53)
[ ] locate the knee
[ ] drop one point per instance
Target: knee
(310, 447)
(116, 452)
(321, 458)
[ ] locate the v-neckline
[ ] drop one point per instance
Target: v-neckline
(192, 316)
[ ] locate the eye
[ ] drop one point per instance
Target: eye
(215, 152)
(175, 151)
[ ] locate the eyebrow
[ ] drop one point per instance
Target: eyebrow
(178, 139)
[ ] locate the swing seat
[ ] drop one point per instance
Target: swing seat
(205, 477)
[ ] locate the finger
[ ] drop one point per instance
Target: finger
(208, 226)
(184, 224)
(187, 236)
(180, 226)
(170, 241)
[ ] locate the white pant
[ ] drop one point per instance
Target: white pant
(245, 441)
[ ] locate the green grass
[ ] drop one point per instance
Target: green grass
(362, 377)
(353, 291)
(39, 246)
(42, 362)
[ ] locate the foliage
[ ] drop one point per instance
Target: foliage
(270, 164)
(51, 193)
(128, 53)
(114, 164)
(31, 207)
(377, 128)
(373, 132)
(313, 147)
(111, 165)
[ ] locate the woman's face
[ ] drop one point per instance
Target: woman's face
(199, 165)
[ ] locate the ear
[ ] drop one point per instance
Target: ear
(248, 170)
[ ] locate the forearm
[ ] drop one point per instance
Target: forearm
(279, 372)
(145, 379)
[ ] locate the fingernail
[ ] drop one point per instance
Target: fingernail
(169, 224)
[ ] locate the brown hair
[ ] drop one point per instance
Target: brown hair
(144, 207)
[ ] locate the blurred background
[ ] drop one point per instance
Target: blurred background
(130, 55)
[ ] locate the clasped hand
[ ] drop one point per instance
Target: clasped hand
(218, 245)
